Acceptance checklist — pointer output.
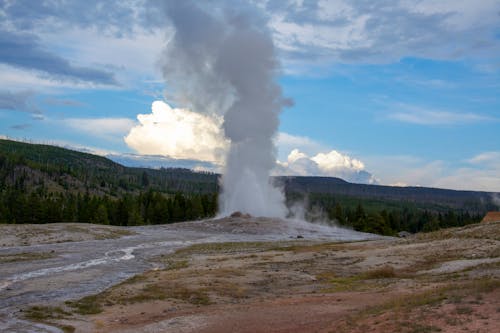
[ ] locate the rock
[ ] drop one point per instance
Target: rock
(240, 215)
(404, 234)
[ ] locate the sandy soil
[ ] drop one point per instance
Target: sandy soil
(447, 281)
(32, 234)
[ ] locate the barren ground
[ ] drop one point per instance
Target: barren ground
(445, 281)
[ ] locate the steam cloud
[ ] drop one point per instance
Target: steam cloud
(495, 198)
(224, 63)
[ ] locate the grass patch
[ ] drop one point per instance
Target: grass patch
(87, 305)
(176, 264)
(226, 247)
(153, 292)
(25, 256)
(368, 280)
(44, 313)
(47, 315)
(384, 272)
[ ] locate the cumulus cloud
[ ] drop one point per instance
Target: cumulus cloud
(331, 164)
(178, 133)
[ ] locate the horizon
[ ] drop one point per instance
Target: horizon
(400, 94)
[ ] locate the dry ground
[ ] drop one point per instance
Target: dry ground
(446, 281)
(33, 234)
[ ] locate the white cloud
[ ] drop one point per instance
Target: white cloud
(106, 128)
(425, 116)
(481, 172)
(286, 142)
(138, 52)
(331, 164)
(491, 158)
(360, 32)
(334, 160)
(178, 133)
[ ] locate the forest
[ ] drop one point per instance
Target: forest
(47, 184)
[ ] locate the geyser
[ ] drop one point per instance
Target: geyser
(224, 63)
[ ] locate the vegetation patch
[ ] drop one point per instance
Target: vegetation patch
(226, 247)
(87, 305)
(369, 280)
(25, 256)
(153, 292)
(47, 315)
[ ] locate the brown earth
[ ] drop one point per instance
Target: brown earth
(34, 234)
(445, 281)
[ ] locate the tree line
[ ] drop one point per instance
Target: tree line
(384, 219)
(149, 207)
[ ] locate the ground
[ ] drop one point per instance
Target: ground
(445, 281)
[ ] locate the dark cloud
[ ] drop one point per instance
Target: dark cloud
(25, 51)
(18, 101)
(21, 127)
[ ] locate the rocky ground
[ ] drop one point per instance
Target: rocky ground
(35, 234)
(445, 281)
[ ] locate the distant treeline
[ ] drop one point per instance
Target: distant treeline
(17, 206)
(378, 216)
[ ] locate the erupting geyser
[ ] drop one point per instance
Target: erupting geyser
(223, 63)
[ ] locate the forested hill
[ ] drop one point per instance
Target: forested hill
(428, 198)
(43, 183)
(61, 170)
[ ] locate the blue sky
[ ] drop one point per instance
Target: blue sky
(391, 92)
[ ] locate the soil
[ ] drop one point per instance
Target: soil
(445, 281)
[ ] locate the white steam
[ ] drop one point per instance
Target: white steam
(223, 62)
(495, 198)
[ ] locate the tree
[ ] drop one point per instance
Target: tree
(101, 215)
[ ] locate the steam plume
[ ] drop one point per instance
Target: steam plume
(224, 63)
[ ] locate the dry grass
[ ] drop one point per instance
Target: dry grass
(48, 315)
(25, 256)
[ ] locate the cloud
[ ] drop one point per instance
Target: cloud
(21, 127)
(107, 128)
(63, 102)
(331, 164)
(24, 50)
(18, 101)
(108, 16)
(361, 32)
(287, 142)
(178, 133)
(158, 161)
(477, 173)
(490, 158)
(424, 116)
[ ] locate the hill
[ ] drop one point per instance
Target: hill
(43, 183)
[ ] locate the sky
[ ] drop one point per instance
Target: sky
(402, 93)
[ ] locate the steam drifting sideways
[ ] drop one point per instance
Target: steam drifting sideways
(223, 62)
